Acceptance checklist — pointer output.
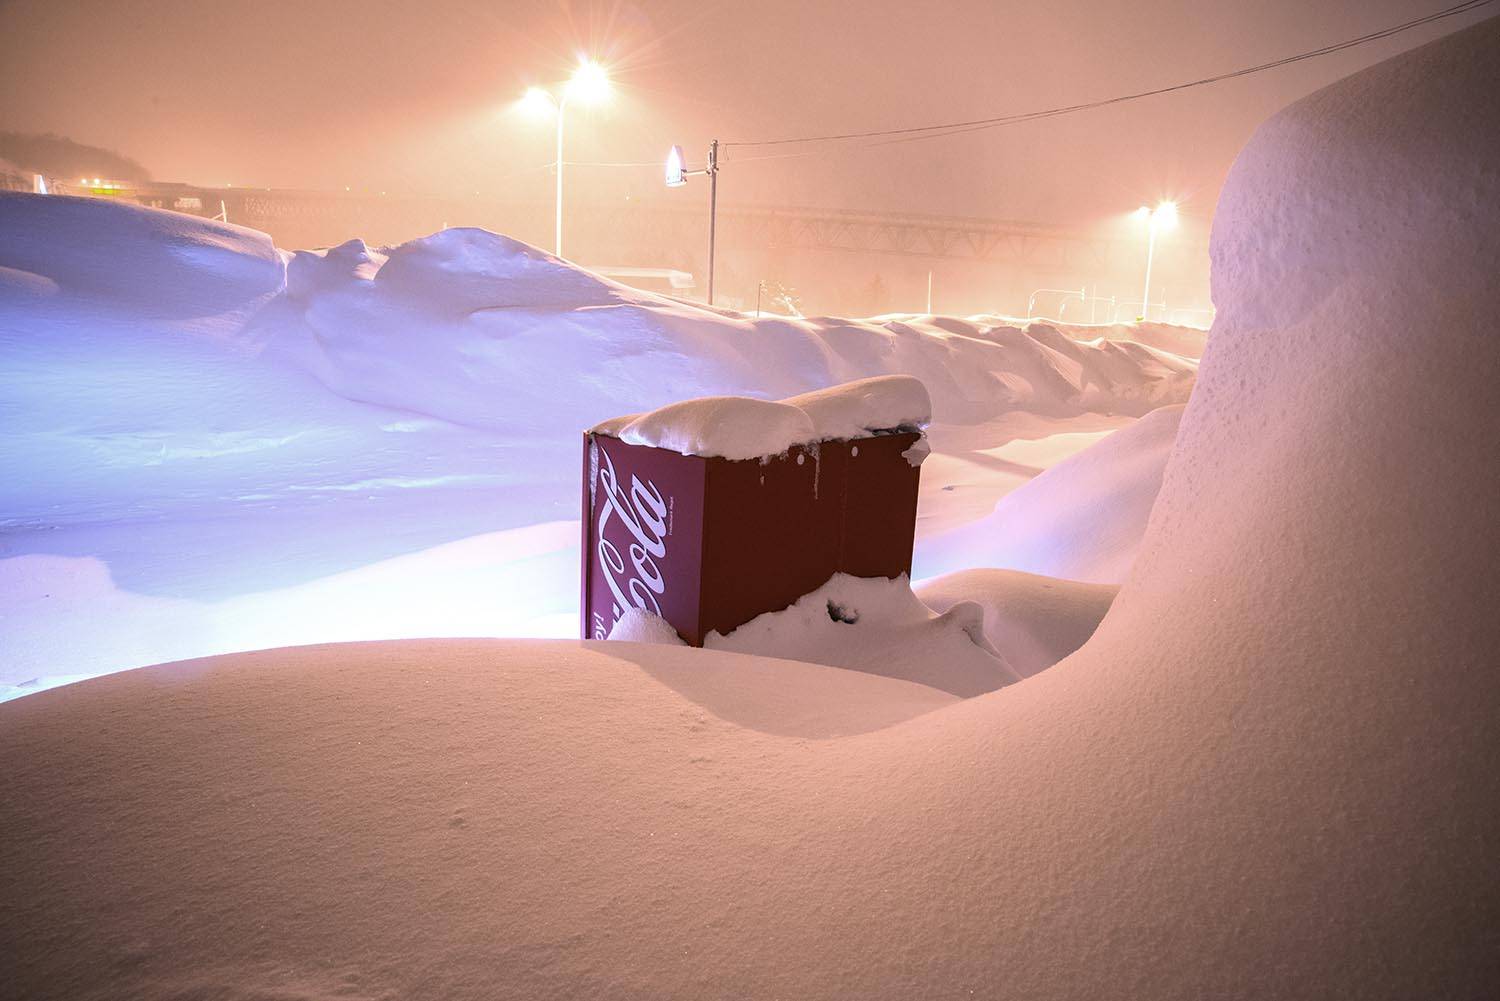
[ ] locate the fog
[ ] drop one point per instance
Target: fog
(398, 101)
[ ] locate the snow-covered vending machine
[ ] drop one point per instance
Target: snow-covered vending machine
(711, 512)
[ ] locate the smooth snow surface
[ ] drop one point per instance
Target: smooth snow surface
(1081, 519)
(746, 428)
(200, 431)
(1032, 621)
(1270, 774)
(878, 625)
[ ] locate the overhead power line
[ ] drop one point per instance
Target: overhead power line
(921, 132)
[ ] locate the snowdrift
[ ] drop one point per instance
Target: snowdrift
(1270, 773)
(209, 427)
(156, 265)
(1080, 520)
(487, 332)
(484, 331)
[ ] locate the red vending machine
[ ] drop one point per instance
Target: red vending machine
(710, 543)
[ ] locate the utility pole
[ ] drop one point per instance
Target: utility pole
(929, 291)
(713, 211)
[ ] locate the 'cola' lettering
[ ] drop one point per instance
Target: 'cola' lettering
(643, 514)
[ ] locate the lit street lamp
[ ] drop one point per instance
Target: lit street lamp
(677, 175)
(1163, 217)
(589, 84)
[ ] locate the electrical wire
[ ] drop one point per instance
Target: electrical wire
(921, 132)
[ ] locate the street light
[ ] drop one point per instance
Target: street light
(589, 85)
(677, 175)
(1163, 217)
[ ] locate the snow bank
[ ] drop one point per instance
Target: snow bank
(1032, 621)
(1270, 773)
(159, 265)
(488, 332)
(1081, 519)
(485, 331)
(737, 427)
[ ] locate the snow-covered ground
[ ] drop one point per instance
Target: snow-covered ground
(214, 445)
(1270, 773)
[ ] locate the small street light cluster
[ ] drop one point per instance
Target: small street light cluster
(589, 84)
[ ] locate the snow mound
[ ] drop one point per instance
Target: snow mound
(488, 332)
(1185, 342)
(461, 271)
(309, 272)
(1081, 520)
(737, 427)
(877, 625)
(637, 625)
(1032, 621)
(157, 264)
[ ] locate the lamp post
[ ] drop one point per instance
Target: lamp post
(1164, 216)
(589, 84)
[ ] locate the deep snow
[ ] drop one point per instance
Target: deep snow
(1270, 773)
(216, 445)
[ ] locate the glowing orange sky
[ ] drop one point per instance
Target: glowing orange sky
(415, 96)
